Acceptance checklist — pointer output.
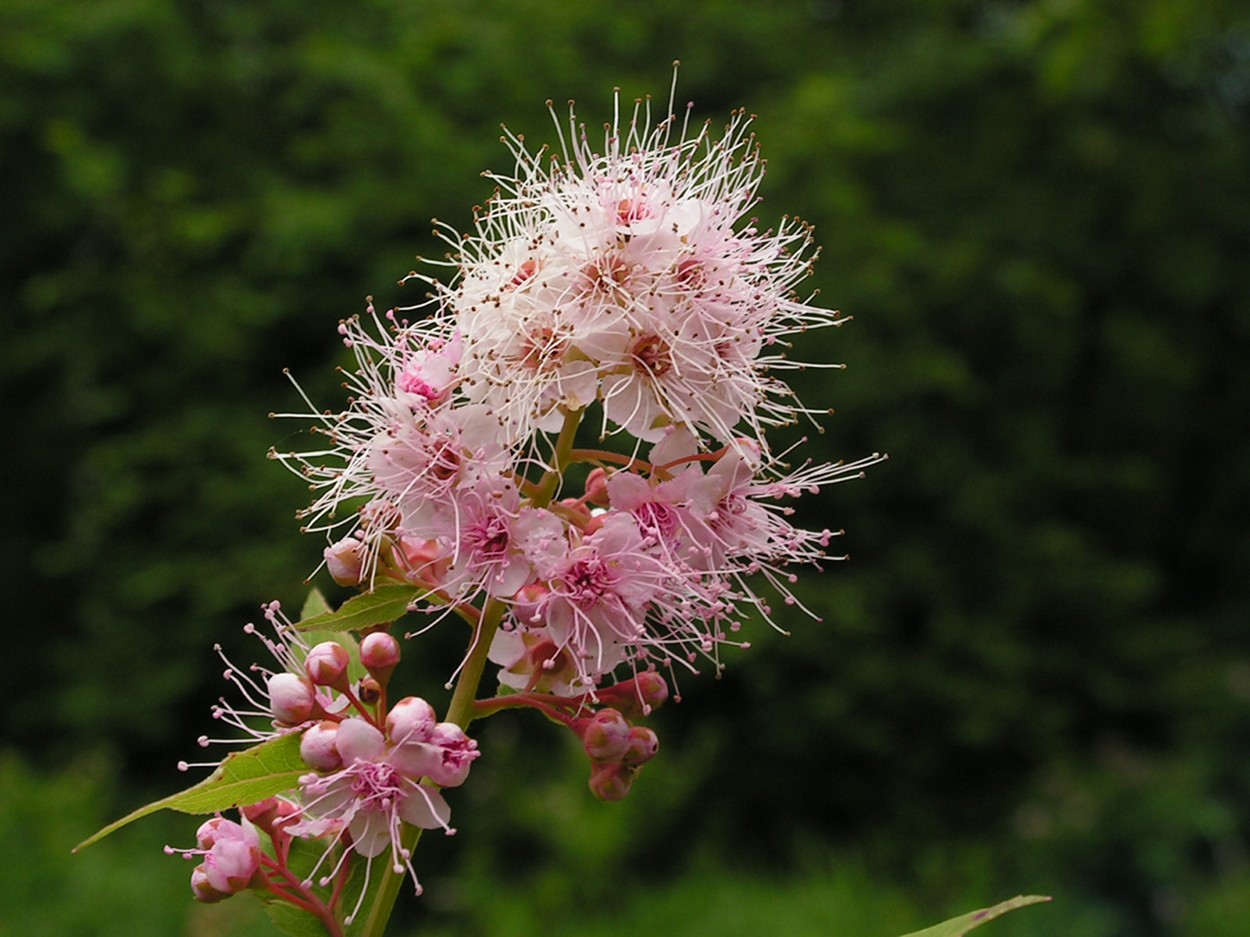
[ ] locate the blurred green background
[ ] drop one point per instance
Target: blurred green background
(1033, 677)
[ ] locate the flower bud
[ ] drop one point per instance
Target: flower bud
(527, 604)
(345, 561)
(638, 696)
(327, 663)
(316, 746)
(206, 835)
(597, 486)
(232, 862)
(369, 691)
(643, 746)
(605, 736)
(379, 652)
(291, 698)
(412, 719)
(269, 814)
(653, 690)
(201, 889)
(611, 781)
(459, 752)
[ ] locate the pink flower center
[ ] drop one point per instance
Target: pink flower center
(651, 354)
(656, 517)
(587, 581)
(488, 538)
(377, 786)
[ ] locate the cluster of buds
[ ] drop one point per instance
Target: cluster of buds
(373, 766)
(231, 857)
(616, 749)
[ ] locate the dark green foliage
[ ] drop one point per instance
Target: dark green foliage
(1036, 213)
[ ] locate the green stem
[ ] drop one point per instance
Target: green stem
(378, 912)
(459, 711)
(561, 457)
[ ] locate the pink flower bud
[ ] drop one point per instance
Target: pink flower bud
(262, 812)
(327, 663)
(426, 561)
(643, 746)
(316, 746)
(232, 862)
(379, 652)
(527, 604)
(345, 561)
(611, 781)
(412, 719)
(206, 835)
(605, 736)
(653, 688)
(201, 889)
(459, 752)
(231, 857)
(269, 814)
(291, 698)
(597, 486)
(639, 696)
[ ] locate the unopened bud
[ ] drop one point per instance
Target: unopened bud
(412, 719)
(606, 736)
(262, 812)
(345, 561)
(611, 781)
(597, 486)
(638, 696)
(201, 889)
(643, 746)
(231, 863)
(652, 688)
(379, 652)
(527, 604)
(291, 698)
(206, 835)
(327, 663)
(316, 746)
(369, 691)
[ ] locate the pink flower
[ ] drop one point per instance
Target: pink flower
(379, 788)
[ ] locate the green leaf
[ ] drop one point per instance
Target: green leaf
(315, 604)
(382, 606)
(957, 927)
(242, 778)
(293, 921)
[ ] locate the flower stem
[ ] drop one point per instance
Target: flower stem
(378, 912)
(561, 457)
(460, 711)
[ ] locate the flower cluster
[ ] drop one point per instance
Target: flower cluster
(565, 450)
(624, 283)
(372, 767)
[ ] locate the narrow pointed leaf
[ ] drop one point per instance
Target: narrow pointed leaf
(382, 606)
(242, 778)
(315, 604)
(957, 927)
